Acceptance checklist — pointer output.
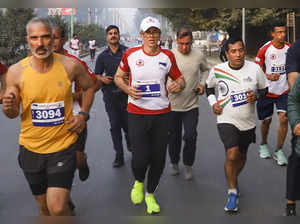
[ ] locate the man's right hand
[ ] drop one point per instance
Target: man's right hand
(106, 79)
(133, 91)
(217, 109)
(273, 77)
(9, 102)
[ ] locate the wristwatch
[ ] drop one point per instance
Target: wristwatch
(86, 116)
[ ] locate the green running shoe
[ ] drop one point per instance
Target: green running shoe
(280, 158)
(137, 194)
(152, 206)
(264, 151)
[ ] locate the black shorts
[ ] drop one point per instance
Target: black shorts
(81, 140)
(231, 136)
(48, 170)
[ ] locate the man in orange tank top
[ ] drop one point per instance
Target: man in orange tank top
(41, 83)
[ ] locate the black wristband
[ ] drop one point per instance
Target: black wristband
(86, 116)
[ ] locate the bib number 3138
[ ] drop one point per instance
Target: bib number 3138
(48, 114)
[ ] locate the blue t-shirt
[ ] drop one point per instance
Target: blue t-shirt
(107, 64)
(293, 58)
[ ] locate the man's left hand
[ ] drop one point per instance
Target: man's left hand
(77, 123)
(251, 97)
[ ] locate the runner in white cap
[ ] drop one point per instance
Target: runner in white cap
(148, 105)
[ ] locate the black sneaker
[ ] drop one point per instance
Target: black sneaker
(84, 172)
(118, 162)
(290, 210)
(72, 207)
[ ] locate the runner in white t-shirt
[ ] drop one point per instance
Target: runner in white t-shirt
(92, 47)
(148, 67)
(74, 44)
(236, 81)
(271, 58)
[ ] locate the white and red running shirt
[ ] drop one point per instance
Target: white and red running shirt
(74, 44)
(149, 73)
(272, 60)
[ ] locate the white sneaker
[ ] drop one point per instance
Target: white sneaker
(188, 175)
(174, 169)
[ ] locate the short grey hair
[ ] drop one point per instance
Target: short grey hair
(42, 20)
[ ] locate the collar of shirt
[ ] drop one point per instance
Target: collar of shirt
(120, 50)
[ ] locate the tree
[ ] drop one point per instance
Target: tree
(89, 32)
(258, 21)
(13, 22)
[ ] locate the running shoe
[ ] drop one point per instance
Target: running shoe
(232, 203)
(290, 210)
(152, 206)
(280, 158)
(188, 175)
(264, 151)
(174, 169)
(137, 194)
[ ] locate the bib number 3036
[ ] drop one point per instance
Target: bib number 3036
(48, 114)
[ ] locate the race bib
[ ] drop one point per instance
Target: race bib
(238, 98)
(149, 88)
(48, 114)
(278, 69)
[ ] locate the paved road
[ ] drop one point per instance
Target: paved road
(107, 191)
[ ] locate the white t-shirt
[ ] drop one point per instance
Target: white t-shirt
(74, 44)
(232, 86)
(149, 72)
(92, 44)
(272, 60)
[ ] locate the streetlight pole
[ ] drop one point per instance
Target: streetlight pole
(72, 22)
(243, 27)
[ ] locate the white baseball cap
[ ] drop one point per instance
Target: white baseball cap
(149, 22)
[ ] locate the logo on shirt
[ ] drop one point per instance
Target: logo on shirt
(163, 64)
(248, 79)
(223, 88)
(59, 83)
(273, 56)
(140, 62)
(60, 164)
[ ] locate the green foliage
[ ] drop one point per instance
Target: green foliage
(89, 32)
(13, 25)
(61, 22)
(258, 21)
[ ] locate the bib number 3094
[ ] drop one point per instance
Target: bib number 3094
(48, 114)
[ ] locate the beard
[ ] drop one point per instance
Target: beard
(48, 51)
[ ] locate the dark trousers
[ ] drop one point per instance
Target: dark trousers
(222, 55)
(189, 120)
(116, 108)
(149, 139)
(293, 172)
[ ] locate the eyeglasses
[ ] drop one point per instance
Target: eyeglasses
(153, 33)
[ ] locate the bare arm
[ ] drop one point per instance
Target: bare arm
(88, 87)
(291, 78)
(121, 80)
(11, 97)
